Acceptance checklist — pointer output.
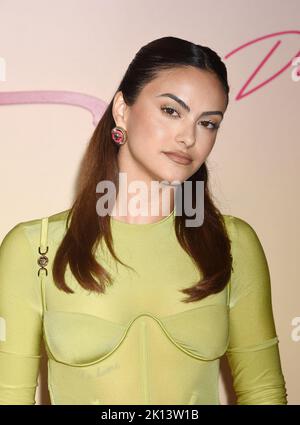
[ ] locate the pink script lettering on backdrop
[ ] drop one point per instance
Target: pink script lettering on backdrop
(97, 106)
(242, 93)
(93, 104)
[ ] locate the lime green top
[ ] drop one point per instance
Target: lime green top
(137, 343)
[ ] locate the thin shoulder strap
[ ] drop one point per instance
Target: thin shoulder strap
(44, 234)
(228, 292)
(43, 259)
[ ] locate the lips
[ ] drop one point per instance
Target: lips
(178, 158)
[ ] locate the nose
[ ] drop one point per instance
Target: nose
(187, 136)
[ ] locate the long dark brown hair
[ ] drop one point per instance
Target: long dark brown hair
(208, 244)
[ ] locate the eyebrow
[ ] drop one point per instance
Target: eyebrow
(186, 107)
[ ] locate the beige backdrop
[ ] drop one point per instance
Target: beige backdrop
(85, 47)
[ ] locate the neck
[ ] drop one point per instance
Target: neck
(140, 202)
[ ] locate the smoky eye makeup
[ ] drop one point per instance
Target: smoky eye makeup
(172, 112)
(169, 110)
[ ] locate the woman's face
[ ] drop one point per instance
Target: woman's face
(157, 124)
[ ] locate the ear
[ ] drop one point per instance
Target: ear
(120, 110)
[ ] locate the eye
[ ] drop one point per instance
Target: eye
(169, 111)
(214, 125)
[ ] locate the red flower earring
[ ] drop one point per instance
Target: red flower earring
(119, 135)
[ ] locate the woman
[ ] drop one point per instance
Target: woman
(106, 294)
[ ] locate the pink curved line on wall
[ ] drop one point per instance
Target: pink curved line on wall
(259, 39)
(97, 107)
(93, 104)
(242, 92)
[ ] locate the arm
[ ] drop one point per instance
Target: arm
(253, 352)
(20, 319)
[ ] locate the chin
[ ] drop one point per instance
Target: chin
(171, 177)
